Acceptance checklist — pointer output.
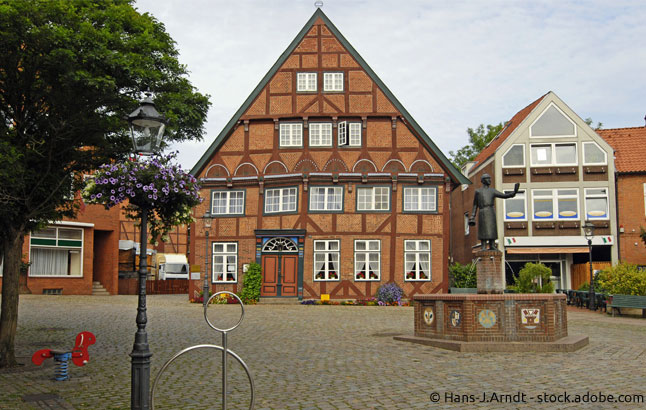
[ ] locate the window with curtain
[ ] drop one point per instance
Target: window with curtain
(367, 260)
(326, 260)
(417, 260)
(225, 262)
(56, 251)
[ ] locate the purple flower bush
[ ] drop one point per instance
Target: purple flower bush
(164, 189)
(389, 294)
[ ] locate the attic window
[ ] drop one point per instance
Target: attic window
(306, 82)
(514, 157)
(593, 154)
(553, 123)
(332, 82)
(349, 134)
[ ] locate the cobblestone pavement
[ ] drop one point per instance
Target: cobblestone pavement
(308, 357)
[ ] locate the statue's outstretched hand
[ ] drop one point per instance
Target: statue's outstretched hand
(516, 187)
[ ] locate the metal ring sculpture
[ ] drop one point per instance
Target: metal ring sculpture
(224, 349)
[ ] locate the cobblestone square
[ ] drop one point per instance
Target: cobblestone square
(309, 357)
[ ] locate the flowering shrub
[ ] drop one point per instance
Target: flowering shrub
(389, 293)
(164, 189)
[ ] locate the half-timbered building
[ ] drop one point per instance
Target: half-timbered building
(324, 179)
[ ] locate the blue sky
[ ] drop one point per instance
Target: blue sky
(452, 64)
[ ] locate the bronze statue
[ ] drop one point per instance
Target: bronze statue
(484, 199)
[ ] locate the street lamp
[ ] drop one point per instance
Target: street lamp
(146, 130)
(205, 289)
(588, 230)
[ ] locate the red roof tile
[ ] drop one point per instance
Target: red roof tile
(630, 147)
(511, 125)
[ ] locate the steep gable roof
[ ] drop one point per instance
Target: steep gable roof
(510, 127)
(629, 146)
(455, 174)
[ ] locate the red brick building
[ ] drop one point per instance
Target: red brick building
(630, 163)
(567, 178)
(69, 255)
(326, 180)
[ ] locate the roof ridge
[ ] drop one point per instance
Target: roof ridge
(620, 128)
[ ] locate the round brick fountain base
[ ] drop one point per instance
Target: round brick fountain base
(493, 323)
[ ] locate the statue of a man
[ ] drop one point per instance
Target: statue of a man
(484, 200)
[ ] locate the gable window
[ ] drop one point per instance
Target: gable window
(514, 157)
(349, 134)
(291, 134)
(326, 198)
(280, 200)
(515, 209)
(373, 199)
(320, 134)
(556, 204)
(306, 82)
(332, 81)
(417, 260)
(367, 260)
(56, 252)
(420, 199)
(326, 260)
(593, 154)
(553, 154)
(596, 203)
(225, 262)
(553, 123)
(227, 203)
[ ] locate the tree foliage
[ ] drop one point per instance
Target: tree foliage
(533, 278)
(478, 140)
(69, 73)
(621, 279)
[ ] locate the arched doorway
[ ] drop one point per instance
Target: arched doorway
(279, 267)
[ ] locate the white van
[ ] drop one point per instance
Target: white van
(172, 266)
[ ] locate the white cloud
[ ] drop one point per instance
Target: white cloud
(452, 64)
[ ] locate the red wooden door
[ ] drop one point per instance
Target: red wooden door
(269, 275)
(288, 275)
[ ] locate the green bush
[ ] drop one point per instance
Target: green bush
(585, 286)
(533, 278)
(622, 279)
(463, 276)
(251, 283)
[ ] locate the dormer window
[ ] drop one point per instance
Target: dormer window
(306, 82)
(349, 134)
(332, 82)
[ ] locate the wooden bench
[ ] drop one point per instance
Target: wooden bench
(628, 301)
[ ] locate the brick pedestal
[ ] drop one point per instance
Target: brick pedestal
(489, 270)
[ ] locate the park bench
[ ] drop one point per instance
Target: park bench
(628, 301)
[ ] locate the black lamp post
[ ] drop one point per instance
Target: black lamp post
(205, 289)
(588, 230)
(146, 129)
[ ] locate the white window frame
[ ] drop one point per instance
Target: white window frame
(519, 195)
(81, 250)
(349, 134)
(333, 82)
(283, 195)
(306, 82)
(320, 134)
(419, 202)
(606, 196)
(605, 155)
(372, 196)
(553, 162)
(290, 134)
(567, 117)
(228, 207)
(415, 256)
(555, 196)
(337, 193)
(330, 256)
(364, 254)
(507, 152)
(225, 262)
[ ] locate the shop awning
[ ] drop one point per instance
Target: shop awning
(565, 249)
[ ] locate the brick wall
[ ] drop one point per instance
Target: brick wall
(632, 216)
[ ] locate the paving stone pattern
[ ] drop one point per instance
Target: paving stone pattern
(304, 357)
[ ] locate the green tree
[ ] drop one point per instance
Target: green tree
(69, 73)
(533, 278)
(478, 140)
(589, 122)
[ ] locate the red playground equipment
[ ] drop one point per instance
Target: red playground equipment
(78, 354)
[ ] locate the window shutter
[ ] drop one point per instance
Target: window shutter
(343, 133)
